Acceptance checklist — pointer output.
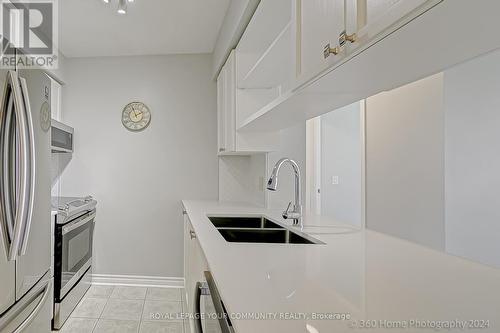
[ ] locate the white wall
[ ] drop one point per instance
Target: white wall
(242, 179)
(472, 104)
(140, 178)
(341, 156)
(405, 162)
(60, 73)
(239, 176)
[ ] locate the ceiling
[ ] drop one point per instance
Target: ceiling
(91, 28)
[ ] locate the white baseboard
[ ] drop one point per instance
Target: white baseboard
(137, 281)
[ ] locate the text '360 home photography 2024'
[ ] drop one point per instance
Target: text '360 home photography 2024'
(244, 166)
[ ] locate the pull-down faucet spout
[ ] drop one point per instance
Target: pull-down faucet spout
(272, 185)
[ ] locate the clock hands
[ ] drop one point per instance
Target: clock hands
(135, 112)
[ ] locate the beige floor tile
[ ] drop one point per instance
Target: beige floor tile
(121, 309)
(164, 294)
(161, 310)
(79, 325)
(90, 308)
(99, 291)
(116, 326)
(161, 327)
(129, 293)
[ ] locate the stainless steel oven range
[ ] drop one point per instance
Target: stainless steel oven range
(74, 232)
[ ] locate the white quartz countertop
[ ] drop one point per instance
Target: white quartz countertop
(361, 273)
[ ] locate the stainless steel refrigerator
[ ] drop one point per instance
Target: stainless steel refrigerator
(25, 278)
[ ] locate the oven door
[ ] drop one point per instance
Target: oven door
(76, 250)
(211, 315)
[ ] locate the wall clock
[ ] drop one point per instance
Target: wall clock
(136, 116)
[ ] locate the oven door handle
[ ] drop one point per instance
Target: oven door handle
(197, 308)
(224, 322)
(77, 224)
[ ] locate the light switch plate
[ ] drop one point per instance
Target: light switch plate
(335, 180)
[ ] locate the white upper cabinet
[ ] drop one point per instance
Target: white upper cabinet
(266, 51)
(332, 30)
(367, 21)
(369, 18)
(230, 141)
(322, 23)
(55, 103)
(226, 107)
(266, 62)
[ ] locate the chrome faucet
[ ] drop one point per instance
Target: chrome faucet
(272, 185)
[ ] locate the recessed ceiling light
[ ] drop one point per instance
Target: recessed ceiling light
(122, 7)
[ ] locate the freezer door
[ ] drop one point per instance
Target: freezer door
(34, 250)
(32, 313)
(7, 291)
(7, 268)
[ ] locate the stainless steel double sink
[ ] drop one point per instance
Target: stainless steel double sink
(257, 229)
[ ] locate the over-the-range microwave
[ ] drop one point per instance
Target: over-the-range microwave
(61, 137)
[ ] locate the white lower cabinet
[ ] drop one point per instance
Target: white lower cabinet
(195, 265)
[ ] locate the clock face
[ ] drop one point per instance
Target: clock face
(136, 116)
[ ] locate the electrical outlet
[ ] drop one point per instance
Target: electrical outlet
(335, 180)
(261, 184)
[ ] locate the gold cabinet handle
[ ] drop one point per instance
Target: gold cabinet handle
(328, 50)
(351, 38)
(344, 38)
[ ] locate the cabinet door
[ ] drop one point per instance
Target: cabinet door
(55, 99)
(195, 265)
(230, 103)
(221, 83)
(322, 22)
(372, 18)
(226, 106)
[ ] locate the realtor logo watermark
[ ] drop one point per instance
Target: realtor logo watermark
(28, 33)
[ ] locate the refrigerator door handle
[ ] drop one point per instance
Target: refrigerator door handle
(30, 166)
(21, 205)
(7, 216)
(45, 291)
(39, 306)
